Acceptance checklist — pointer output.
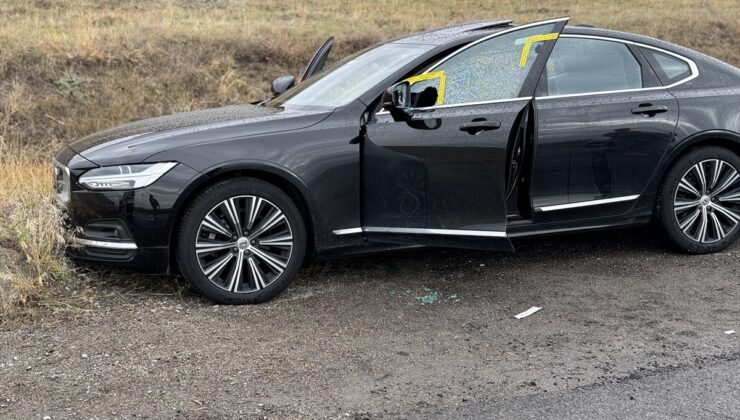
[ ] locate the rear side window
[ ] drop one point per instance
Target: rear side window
(581, 65)
(669, 68)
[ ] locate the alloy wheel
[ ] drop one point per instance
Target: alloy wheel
(706, 205)
(244, 244)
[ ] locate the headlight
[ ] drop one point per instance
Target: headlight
(124, 177)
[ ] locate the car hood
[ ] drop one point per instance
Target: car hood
(135, 141)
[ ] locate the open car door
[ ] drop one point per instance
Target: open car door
(282, 84)
(438, 176)
(318, 60)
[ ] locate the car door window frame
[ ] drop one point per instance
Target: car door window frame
(653, 62)
(542, 95)
(647, 75)
(529, 82)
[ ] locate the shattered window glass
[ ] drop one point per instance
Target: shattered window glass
(493, 69)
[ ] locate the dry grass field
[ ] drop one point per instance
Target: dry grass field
(71, 67)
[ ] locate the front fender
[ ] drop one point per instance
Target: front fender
(282, 177)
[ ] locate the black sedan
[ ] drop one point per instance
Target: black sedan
(466, 136)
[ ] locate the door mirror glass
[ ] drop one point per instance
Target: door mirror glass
(396, 100)
(397, 97)
(400, 95)
(282, 84)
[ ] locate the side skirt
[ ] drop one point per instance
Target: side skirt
(525, 230)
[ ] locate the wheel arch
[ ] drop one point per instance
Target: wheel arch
(722, 138)
(664, 212)
(279, 176)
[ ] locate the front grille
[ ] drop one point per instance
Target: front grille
(61, 181)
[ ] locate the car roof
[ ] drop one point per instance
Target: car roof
(640, 39)
(455, 35)
(471, 31)
(442, 36)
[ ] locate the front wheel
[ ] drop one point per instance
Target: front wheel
(699, 201)
(241, 241)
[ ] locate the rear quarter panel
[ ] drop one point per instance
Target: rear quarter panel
(709, 109)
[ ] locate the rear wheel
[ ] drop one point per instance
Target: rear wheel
(241, 241)
(699, 202)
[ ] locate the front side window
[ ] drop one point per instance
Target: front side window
(582, 65)
(490, 70)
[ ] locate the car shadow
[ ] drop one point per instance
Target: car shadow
(618, 243)
(632, 241)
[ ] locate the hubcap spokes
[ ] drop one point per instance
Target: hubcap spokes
(706, 205)
(244, 244)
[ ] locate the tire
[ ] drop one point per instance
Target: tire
(253, 266)
(697, 219)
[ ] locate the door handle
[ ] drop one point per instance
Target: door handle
(476, 127)
(649, 110)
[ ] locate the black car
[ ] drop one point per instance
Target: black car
(466, 136)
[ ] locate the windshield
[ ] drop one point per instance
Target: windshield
(346, 80)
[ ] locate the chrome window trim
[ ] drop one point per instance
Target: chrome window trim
(102, 244)
(587, 203)
(494, 35)
(692, 66)
(422, 231)
(494, 101)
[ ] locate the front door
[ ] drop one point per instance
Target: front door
(441, 179)
(316, 64)
(603, 123)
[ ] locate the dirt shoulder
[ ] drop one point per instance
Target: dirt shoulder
(387, 336)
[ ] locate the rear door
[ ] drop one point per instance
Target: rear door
(603, 123)
(441, 179)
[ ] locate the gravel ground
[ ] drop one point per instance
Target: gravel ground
(424, 333)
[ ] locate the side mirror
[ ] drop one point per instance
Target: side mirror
(397, 101)
(401, 102)
(398, 96)
(281, 84)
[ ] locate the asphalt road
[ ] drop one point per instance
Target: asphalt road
(628, 329)
(710, 391)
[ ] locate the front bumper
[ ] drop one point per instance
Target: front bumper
(150, 260)
(127, 229)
